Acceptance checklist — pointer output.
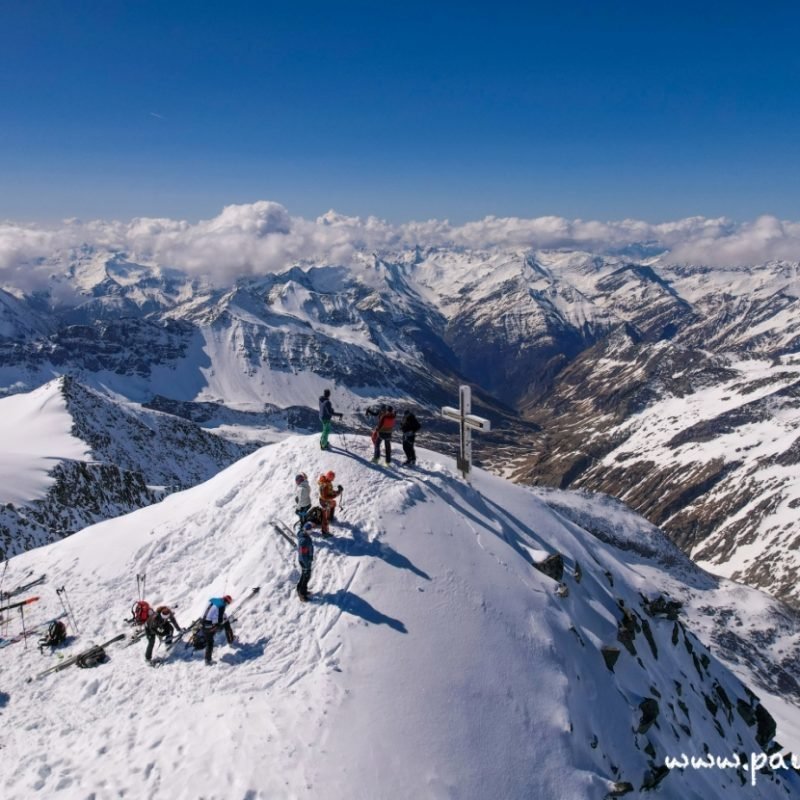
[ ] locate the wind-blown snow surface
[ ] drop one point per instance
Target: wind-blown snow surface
(434, 662)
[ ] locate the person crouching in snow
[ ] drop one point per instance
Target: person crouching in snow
(161, 623)
(213, 620)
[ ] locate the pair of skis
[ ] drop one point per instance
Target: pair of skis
(68, 662)
(23, 587)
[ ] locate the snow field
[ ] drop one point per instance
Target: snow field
(433, 662)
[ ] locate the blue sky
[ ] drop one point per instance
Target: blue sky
(402, 110)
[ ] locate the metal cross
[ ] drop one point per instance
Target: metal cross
(468, 423)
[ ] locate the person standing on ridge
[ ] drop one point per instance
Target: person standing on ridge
(326, 414)
(213, 620)
(383, 433)
(305, 557)
(302, 500)
(161, 623)
(327, 499)
(409, 425)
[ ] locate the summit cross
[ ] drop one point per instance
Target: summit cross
(468, 422)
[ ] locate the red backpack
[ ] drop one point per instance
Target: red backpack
(140, 611)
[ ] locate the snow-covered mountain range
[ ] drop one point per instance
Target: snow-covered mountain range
(73, 456)
(671, 387)
(435, 659)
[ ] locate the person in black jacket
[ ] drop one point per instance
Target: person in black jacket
(409, 426)
(326, 414)
(161, 623)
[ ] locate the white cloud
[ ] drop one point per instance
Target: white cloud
(262, 237)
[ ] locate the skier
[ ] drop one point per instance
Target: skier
(409, 426)
(302, 500)
(326, 414)
(213, 620)
(383, 433)
(305, 557)
(161, 623)
(327, 499)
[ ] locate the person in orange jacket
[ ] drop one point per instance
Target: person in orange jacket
(327, 499)
(383, 433)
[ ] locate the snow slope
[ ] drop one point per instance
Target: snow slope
(36, 432)
(435, 660)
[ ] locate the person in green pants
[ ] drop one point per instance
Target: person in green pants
(326, 414)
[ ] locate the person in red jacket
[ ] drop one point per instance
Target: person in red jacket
(383, 433)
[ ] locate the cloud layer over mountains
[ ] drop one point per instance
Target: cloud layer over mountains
(261, 237)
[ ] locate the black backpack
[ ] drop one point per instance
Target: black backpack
(314, 515)
(56, 634)
(91, 658)
(199, 637)
(411, 423)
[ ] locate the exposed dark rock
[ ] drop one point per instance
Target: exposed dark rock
(649, 709)
(766, 726)
(610, 656)
(552, 566)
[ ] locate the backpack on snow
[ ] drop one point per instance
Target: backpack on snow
(314, 515)
(56, 634)
(91, 658)
(140, 612)
(199, 637)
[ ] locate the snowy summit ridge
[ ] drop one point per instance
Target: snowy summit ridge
(434, 661)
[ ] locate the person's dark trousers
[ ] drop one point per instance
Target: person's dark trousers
(151, 640)
(211, 631)
(408, 446)
(302, 584)
(302, 513)
(387, 445)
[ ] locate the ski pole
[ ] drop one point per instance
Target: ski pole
(24, 632)
(67, 606)
(3, 579)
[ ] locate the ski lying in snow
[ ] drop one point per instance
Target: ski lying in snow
(284, 531)
(36, 629)
(19, 604)
(74, 659)
(23, 587)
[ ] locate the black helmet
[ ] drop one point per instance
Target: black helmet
(326, 393)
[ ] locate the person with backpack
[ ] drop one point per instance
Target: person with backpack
(327, 499)
(305, 558)
(302, 500)
(383, 433)
(140, 613)
(162, 623)
(326, 414)
(409, 427)
(213, 620)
